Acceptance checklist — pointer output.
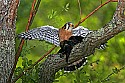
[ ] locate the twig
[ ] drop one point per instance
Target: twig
(34, 64)
(94, 12)
(107, 78)
(35, 11)
(21, 43)
(80, 11)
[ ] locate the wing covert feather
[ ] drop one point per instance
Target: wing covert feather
(80, 31)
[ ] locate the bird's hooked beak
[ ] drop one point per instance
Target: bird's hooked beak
(71, 25)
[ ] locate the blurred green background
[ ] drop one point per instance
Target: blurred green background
(56, 13)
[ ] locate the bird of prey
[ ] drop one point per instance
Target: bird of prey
(59, 37)
(54, 35)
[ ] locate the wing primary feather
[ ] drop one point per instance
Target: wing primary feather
(47, 33)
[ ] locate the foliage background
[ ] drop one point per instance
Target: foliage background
(57, 13)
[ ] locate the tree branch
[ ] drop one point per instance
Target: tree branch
(93, 40)
(8, 11)
(81, 21)
(30, 20)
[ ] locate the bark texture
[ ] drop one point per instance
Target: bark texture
(93, 40)
(7, 38)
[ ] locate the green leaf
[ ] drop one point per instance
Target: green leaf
(57, 75)
(29, 62)
(25, 62)
(52, 14)
(66, 7)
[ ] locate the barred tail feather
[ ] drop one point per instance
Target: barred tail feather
(76, 65)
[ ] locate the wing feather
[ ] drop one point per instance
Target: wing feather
(47, 33)
(80, 31)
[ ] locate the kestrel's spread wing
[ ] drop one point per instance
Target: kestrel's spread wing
(47, 33)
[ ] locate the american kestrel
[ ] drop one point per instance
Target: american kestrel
(54, 35)
(65, 37)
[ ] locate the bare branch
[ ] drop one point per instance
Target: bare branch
(81, 21)
(53, 63)
(80, 10)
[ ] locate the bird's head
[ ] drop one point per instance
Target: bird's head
(68, 26)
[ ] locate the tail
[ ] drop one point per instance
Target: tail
(76, 65)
